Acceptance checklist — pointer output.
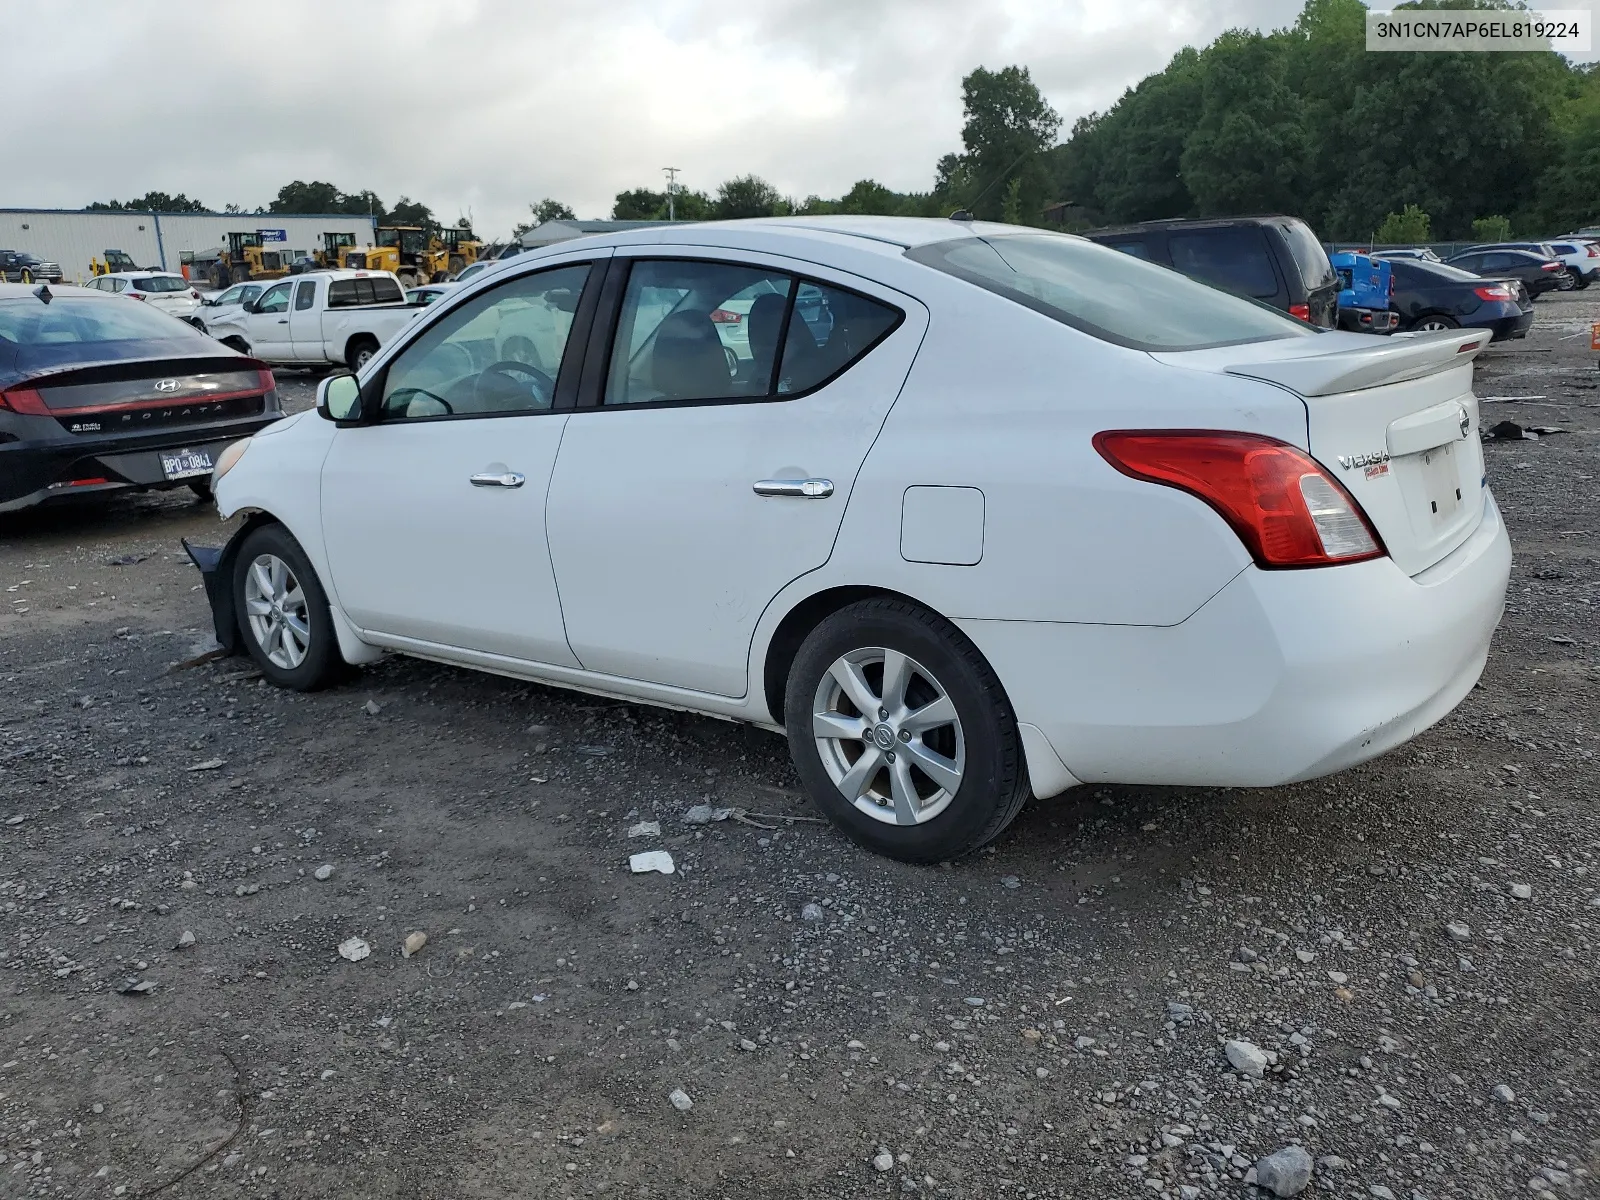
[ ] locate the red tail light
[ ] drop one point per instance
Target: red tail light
(24, 400)
(1285, 508)
(723, 316)
(1303, 311)
(193, 295)
(265, 380)
(1550, 266)
(1495, 291)
(136, 295)
(1593, 250)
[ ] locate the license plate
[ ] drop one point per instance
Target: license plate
(1441, 482)
(186, 464)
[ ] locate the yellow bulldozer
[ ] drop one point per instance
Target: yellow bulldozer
(454, 250)
(243, 258)
(111, 262)
(335, 246)
(402, 249)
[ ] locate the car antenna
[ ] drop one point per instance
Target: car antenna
(43, 292)
(962, 214)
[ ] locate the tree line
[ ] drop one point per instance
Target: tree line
(298, 197)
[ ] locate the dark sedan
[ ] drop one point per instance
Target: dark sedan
(1431, 296)
(97, 394)
(1536, 272)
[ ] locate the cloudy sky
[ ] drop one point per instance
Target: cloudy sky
(481, 106)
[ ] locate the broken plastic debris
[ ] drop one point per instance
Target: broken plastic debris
(704, 814)
(653, 860)
(138, 987)
(414, 943)
(354, 949)
(211, 764)
(645, 829)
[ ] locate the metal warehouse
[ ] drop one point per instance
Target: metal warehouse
(73, 237)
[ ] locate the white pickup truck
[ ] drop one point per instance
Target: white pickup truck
(324, 317)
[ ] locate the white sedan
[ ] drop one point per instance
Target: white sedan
(1022, 512)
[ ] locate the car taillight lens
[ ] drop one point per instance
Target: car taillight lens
(723, 316)
(1493, 292)
(1303, 311)
(1550, 266)
(137, 295)
(24, 400)
(1593, 251)
(1285, 508)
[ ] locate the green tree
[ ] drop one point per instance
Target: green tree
(1245, 150)
(151, 202)
(313, 197)
(638, 204)
(1009, 126)
(411, 212)
(1405, 228)
(746, 196)
(1491, 229)
(1569, 186)
(867, 197)
(551, 210)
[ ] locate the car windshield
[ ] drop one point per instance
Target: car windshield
(162, 283)
(1110, 295)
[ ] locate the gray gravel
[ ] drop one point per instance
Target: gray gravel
(1048, 1018)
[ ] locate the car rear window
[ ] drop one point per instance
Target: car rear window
(1308, 254)
(1108, 295)
(161, 283)
(1415, 271)
(1235, 260)
(348, 293)
(82, 321)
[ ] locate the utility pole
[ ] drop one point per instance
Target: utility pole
(672, 191)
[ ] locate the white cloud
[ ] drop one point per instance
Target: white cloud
(486, 105)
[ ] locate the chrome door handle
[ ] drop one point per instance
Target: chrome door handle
(804, 489)
(507, 479)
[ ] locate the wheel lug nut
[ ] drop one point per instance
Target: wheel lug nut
(883, 714)
(905, 735)
(890, 756)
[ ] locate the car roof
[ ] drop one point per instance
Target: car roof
(1191, 223)
(16, 291)
(894, 233)
(139, 274)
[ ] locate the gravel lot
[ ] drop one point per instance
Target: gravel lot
(1408, 948)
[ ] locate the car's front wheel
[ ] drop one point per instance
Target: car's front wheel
(902, 733)
(283, 612)
(1434, 322)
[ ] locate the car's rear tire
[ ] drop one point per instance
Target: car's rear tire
(1433, 322)
(361, 352)
(282, 612)
(931, 752)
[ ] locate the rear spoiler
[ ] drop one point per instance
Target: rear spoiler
(1396, 359)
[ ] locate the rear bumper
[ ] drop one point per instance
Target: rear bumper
(1368, 320)
(1282, 676)
(32, 471)
(1504, 320)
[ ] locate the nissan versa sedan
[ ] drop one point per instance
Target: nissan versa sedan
(1024, 513)
(99, 395)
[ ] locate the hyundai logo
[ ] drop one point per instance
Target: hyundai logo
(167, 385)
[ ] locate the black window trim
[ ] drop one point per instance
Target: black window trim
(572, 361)
(597, 362)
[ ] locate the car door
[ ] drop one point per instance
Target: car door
(305, 323)
(690, 489)
(433, 512)
(268, 325)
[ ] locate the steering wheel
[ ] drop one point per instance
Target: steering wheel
(497, 385)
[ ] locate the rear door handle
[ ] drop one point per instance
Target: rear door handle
(803, 489)
(501, 479)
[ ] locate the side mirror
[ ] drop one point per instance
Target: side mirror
(248, 306)
(339, 398)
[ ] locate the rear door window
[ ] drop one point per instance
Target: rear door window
(1235, 260)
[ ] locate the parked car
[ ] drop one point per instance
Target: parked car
(1418, 252)
(1543, 249)
(337, 318)
(222, 307)
(1538, 273)
(1037, 514)
(100, 395)
(161, 290)
(1581, 257)
(427, 293)
(18, 266)
(473, 270)
(1365, 287)
(1434, 296)
(1276, 260)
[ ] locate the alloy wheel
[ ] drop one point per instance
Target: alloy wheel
(888, 735)
(276, 607)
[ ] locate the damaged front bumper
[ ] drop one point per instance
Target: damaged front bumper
(215, 565)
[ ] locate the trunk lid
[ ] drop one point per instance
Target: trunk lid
(1392, 419)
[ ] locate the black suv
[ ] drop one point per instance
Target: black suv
(18, 266)
(1276, 260)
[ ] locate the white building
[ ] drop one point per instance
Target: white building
(73, 237)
